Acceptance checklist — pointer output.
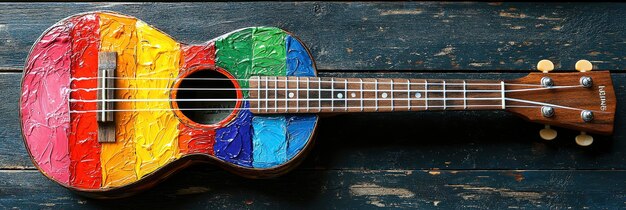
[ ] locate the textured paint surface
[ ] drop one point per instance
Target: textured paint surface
(269, 141)
(148, 140)
(233, 143)
(299, 62)
(83, 139)
(234, 53)
(264, 51)
(269, 58)
(44, 109)
(299, 131)
(299, 127)
(117, 34)
(196, 140)
(156, 132)
(268, 51)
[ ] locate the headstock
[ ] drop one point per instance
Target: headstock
(583, 100)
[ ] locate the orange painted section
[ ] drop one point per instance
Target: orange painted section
(118, 34)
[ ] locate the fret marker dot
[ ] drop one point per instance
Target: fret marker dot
(384, 95)
(339, 95)
(353, 95)
(418, 95)
(291, 95)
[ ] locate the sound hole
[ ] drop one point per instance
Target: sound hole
(206, 97)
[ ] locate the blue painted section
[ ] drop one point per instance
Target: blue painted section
(299, 130)
(233, 142)
(299, 61)
(299, 127)
(269, 141)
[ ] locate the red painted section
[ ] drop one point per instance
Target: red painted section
(196, 140)
(197, 55)
(85, 166)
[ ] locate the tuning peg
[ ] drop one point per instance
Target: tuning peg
(583, 139)
(547, 133)
(583, 66)
(545, 66)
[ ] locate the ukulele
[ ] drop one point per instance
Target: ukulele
(110, 106)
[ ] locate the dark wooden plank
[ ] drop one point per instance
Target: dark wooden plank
(343, 189)
(13, 154)
(372, 36)
(452, 140)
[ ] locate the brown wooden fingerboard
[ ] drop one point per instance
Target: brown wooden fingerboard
(269, 95)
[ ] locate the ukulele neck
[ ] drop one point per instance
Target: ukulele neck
(274, 95)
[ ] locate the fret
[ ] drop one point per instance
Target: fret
(464, 95)
(297, 94)
(319, 93)
(444, 96)
(258, 94)
(286, 95)
(361, 84)
(307, 94)
(266, 93)
(345, 95)
(275, 94)
(502, 94)
(376, 93)
(332, 94)
(408, 93)
(391, 93)
(426, 94)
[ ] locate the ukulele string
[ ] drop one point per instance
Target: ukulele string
(319, 89)
(336, 90)
(316, 99)
(289, 108)
(272, 99)
(269, 79)
(538, 104)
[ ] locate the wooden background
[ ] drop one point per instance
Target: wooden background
(426, 160)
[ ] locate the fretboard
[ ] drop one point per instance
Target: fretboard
(269, 95)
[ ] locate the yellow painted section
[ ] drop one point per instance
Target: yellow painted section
(117, 34)
(146, 140)
(156, 132)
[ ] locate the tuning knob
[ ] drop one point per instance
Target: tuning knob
(545, 66)
(583, 66)
(583, 139)
(547, 133)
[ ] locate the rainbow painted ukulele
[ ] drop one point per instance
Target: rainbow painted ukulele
(111, 105)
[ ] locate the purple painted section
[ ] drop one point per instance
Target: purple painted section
(233, 143)
(44, 103)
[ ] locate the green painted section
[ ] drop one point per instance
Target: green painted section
(269, 52)
(234, 54)
(252, 51)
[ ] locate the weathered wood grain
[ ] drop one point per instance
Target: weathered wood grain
(384, 141)
(343, 189)
(372, 36)
(451, 160)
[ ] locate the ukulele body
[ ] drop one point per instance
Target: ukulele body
(59, 94)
